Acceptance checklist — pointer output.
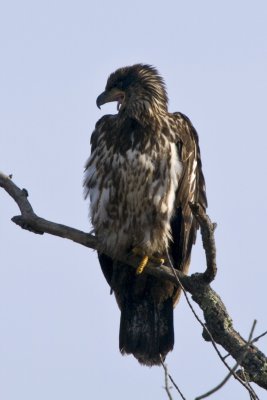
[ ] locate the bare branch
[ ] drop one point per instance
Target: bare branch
(166, 379)
(207, 232)
(217, 319)
(176, 387)
(168, 375)
(232, 373)
(259, 337)
(30, 221)
(208, 336)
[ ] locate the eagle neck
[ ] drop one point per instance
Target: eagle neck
(145, 112)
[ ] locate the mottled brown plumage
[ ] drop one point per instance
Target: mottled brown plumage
(143, 171)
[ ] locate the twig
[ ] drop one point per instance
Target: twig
(232, 371)
(252, 394)
(226, 356)
(217, 319)
(259, 337)
(166, 380)
(176, 387)
(251, 332)
(168, 375)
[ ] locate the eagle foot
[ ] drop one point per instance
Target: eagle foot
(145, 259)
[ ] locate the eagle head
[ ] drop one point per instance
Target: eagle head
(138, 90)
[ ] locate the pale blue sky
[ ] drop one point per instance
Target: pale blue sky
(59, 325)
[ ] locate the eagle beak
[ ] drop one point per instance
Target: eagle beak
(110, 95)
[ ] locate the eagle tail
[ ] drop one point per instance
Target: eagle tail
(146, 330)
(146, 304)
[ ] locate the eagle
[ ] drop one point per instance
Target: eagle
(143, 172)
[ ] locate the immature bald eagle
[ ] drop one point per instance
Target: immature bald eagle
(143, 171)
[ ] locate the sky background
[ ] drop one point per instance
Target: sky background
(58, 324)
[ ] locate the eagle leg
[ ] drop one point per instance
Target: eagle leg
(145, 259)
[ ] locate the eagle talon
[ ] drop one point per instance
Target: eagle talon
(144, 262)
(145, 259)
(158, 260)
(142, 265)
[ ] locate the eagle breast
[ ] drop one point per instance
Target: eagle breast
(132, 190)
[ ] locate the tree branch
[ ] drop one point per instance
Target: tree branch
(217, 319)
(207, 229)
(232, 373)
(168, 376)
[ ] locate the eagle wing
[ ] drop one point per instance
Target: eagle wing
(103, 125)
(191, 189)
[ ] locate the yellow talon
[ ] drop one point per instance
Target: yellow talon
(144, 261)
(158, 260)
(142, 265)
